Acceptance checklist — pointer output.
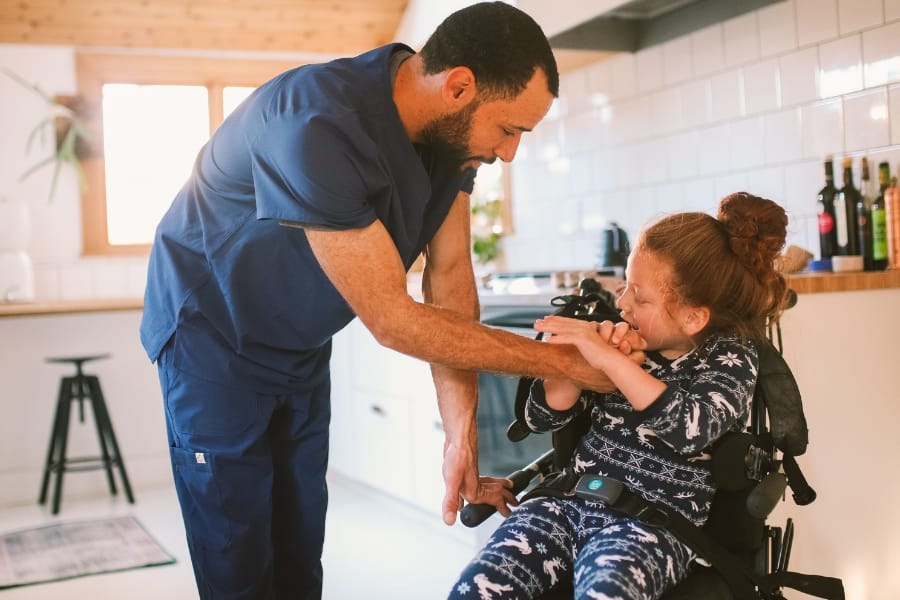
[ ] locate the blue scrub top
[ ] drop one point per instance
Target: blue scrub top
(243, 294)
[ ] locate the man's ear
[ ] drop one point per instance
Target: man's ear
(459, 87)
(695, 318)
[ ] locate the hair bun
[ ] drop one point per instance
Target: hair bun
(757, 229)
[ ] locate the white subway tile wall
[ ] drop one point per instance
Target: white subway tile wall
(777, 28)
(840, 67)
(855, 15)
(752, 104)
(741, 40)
(816, 21)
(677, 61)
(866, 120)
(881, 47)
(761, 86)
(799, 76)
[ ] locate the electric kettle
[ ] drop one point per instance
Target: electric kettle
(614, 247)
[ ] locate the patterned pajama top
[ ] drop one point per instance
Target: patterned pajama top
(661, 452)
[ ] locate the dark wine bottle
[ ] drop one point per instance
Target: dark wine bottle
(862, 214)
(879, 223)
(845, 213)
(827, 239)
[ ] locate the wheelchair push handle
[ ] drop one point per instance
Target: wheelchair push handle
(473, 515)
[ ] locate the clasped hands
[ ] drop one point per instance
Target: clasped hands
(591, 338)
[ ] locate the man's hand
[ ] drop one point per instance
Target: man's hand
(462, 483)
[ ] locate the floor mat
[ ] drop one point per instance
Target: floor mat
(75, 549)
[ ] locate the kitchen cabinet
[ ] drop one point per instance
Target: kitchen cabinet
(343, 445)
(386, 429)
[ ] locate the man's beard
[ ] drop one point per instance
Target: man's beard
(448, 136)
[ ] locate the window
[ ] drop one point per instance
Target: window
(491, 215)
(149, 116)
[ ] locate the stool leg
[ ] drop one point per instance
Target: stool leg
(60, 462)
(105, 457)
(102, 415)
(62, 403)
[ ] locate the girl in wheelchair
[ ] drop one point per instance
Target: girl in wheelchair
(698, 291)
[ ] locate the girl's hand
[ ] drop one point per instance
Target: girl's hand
(565, 330)
(594, 340)
(619, 335)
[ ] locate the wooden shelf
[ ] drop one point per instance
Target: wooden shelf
(815, 283)
(802, 283)
(24, 309)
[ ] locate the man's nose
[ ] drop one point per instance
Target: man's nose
(506, 150)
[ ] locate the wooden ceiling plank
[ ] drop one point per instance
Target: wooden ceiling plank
(230, 39)
(276, 25)
(188, 11)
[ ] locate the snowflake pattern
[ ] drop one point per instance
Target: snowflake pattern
(729, 359)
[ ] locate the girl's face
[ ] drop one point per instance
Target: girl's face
(645, 306)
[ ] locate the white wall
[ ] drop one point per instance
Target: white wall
(30, 386)
(55, 242)
(842, 348)
(422, 16)
(751, 104)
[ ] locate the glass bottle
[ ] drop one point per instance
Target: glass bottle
(877, 218)
(862, 216)
(825, 200)
(845, 213)
(892, 223)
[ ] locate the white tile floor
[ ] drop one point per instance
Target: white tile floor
(376, 548)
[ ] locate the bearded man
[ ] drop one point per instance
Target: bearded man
(304, 210)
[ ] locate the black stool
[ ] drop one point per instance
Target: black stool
(81, 387)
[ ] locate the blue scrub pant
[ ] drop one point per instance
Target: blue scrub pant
(548, 540)
(249, 471)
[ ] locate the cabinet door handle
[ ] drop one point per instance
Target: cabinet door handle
(378, 410)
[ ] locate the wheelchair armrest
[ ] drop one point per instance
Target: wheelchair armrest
(473, 515)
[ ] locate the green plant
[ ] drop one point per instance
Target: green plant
(74, 134)
(486, 230)
(486, 248)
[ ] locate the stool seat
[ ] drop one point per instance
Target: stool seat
(81, 388)
(76, 360)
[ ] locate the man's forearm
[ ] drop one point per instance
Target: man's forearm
(457, 389)
(447, 338)
(365, 268)
(457, 393)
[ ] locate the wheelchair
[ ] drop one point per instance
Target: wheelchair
(743, 557)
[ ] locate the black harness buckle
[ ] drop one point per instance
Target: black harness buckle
(616, 495)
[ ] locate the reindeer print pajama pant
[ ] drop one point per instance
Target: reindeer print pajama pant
(608, 555)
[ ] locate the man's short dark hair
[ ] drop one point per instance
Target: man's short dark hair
(500, 44)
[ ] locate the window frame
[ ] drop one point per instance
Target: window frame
(94, 70)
